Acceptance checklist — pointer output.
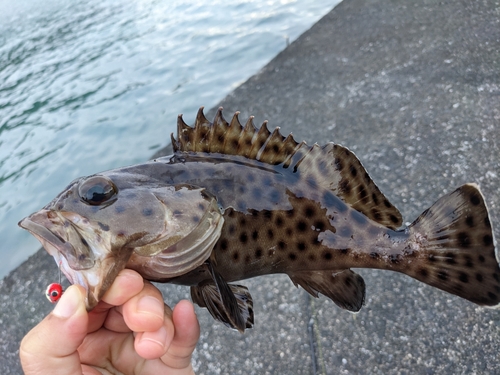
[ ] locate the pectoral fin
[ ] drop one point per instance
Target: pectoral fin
(346, 288)
(230, 304)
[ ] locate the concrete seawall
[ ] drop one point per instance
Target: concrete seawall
(413, 88)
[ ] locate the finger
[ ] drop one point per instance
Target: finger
(187, 334)
(154, 343)
(127, 284)
(43, 352)
(144, 311)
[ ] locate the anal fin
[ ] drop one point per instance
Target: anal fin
(345, 287)
(230, 304)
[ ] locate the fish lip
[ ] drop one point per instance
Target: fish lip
(44, 234)
(38, 225)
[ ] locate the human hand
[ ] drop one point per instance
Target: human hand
(130, 331)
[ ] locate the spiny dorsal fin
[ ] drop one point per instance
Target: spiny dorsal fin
(332, 166)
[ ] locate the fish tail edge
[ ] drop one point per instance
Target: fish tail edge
(456, 249)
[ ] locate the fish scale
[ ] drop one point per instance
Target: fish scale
(235, 201)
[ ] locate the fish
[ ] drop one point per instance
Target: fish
(234, 201)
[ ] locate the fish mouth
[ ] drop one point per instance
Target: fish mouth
(66, 237)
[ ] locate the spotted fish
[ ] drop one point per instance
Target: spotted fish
(234, 201)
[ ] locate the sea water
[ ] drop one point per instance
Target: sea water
(91, 85)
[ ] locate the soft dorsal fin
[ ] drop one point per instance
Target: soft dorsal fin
(332, 166)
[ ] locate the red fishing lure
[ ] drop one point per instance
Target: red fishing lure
(55, 290)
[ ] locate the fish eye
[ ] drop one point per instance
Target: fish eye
(97, 190)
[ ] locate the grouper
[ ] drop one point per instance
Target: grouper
(234, 201)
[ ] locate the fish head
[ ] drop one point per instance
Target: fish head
(95, 225)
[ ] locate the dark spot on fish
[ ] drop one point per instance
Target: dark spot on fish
(344, 251)
(374, 255)
(231, 229)
(442, 275)
(359, 217)
(195, 219)
(479, 277)
(327, 255)
(274, 196)
(375, 198)
(487, 240)
(258, 252)
(248, 259)
(463, 277)
(270, 234)
(223, 244)
(474, 199)
(255, 235)
(250, 177)
(496, 277)
(292, 256)
(463, 239)
(147, 211)
(241, 189)
(376, 215)
(201, 207)
(492, 296)
(319, 225)
(279, 221)
(469, 220)
(423, 272)
(345, 186)
(309, 211)
(395, 258)
(301, 246)
(362, 193)
(338, 164)
(281, 245)
(311, 257)
(289, 232)
(267, 181)
(103, 226)
(236, 256)
(60, 206)
(177, 212)
(243, 238)
(256, 193)
(394, 219)
(353, 170)
(301, 226)
(290, 213)
(243, 221)
(468, 261)
(450, 258)
(119, 209)
(387, 203)
(347, 281)
(267, 214)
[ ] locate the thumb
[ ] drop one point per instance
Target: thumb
(51, 346)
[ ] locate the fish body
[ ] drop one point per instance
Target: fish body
(257, 203)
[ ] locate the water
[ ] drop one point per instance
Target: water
(97, 84)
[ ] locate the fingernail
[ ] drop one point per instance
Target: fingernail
(68, 304)
(159, 337)
(151, 305)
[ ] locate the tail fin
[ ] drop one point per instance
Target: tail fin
(457, 247)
